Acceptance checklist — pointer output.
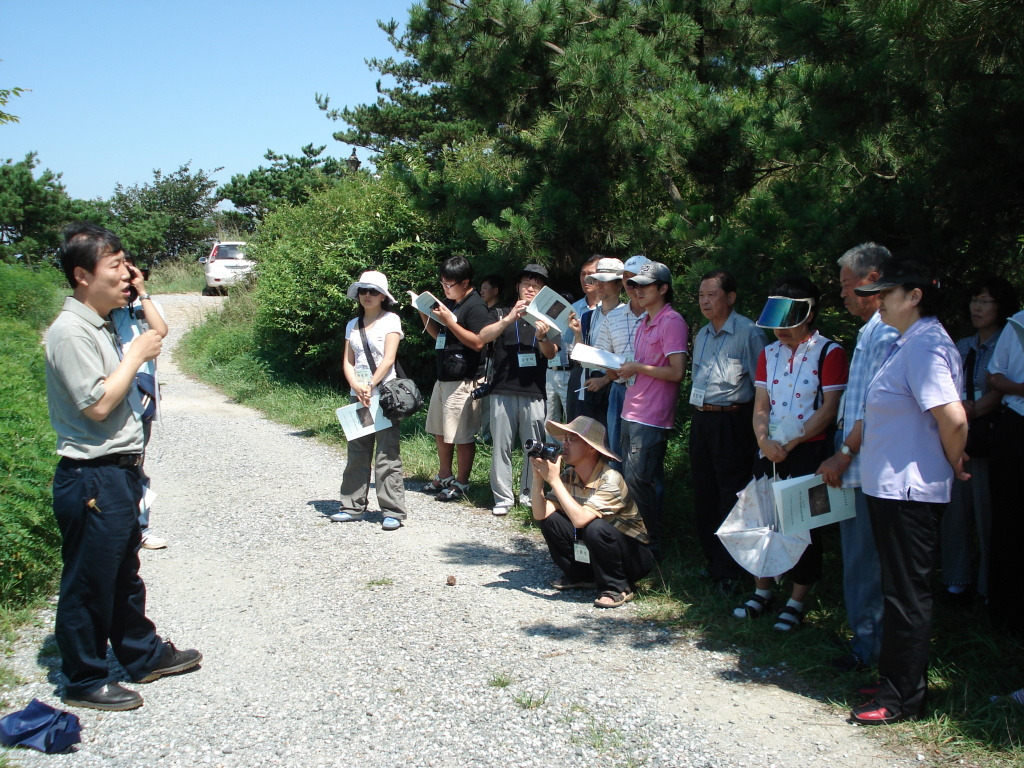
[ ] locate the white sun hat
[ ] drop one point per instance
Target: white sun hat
(370, 279)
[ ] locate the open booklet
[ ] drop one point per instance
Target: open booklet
(359, 421)
(806, 502)
(548, 306)
(592, 357)
(425, 303)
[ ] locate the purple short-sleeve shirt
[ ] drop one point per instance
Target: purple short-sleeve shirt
(902, 456)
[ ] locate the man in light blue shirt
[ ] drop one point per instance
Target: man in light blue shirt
(861, 578)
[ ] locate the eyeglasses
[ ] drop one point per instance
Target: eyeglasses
(367, 291)
(570, 439)
(449, 284)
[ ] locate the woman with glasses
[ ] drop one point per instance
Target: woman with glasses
(992, 301)
(797, 387)
(371, 345)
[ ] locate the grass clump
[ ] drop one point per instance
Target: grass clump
(500, 680)
(179, 276)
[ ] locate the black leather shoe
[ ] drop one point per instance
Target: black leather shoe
(173, 661)
(112, 697)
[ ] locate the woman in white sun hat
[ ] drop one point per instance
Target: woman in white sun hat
(371, 346)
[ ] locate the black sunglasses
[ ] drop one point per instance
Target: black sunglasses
(364, 291)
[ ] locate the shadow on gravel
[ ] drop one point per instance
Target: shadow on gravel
(599, 629)
(324, 507)
(474, 552)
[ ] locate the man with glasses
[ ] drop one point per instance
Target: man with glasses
(592, 527)
(521, 354)
(453, 416)
(650, 407)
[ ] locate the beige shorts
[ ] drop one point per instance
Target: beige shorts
(453, 413)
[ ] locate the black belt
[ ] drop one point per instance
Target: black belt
(110, 460)
(559, 367)
(721, 408)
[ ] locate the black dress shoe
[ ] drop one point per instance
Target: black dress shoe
(849, 662)
(112, 697)
(171, 662)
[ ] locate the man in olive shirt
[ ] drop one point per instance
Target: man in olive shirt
(96, 410)
(722, 443)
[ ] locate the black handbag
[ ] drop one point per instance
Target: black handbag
(981, 428)
(399, 397)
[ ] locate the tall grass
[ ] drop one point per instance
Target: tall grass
(970, 661)
(176, 277)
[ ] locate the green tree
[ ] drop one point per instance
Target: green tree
(170, 217)
(33, 208)
(289, 180)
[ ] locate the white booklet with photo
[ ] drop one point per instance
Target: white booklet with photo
(548, 306)
(359, 421)
(806, 502)
(425, 303)
(592, 357)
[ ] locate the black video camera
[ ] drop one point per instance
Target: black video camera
(539, 450)
(483, 390)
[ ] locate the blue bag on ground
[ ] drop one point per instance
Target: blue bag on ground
(40, 726)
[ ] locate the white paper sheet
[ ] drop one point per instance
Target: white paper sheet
(592, 357)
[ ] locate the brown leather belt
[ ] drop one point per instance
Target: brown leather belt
(720, 408)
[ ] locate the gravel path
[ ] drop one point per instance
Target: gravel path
(342, 645)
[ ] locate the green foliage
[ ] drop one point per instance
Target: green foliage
(310, 254)
(171, 217)
(762, 135)
(289, 180)
(29, 541)
(32, 211)
(5, 95)
(176, 277)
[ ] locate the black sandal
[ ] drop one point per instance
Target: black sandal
(790, 618)
(761, 605)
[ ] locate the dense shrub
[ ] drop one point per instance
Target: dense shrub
(310, 254)
(29, 541)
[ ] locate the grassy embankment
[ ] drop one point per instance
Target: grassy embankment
(969, 662)
(29, 541)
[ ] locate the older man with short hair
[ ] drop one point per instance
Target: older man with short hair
(862, 586)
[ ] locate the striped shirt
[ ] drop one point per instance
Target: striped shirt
(982, 356)
(607, 496)
(618, 330)
(873, 342)
(724, 361)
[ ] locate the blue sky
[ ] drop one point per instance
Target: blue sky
(121, 88)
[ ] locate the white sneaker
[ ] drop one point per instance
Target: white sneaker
(525, 500)
(500, 510)
(153, 542)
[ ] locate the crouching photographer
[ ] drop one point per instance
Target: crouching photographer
(592, 527)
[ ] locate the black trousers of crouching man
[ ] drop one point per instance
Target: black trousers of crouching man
(617, 561)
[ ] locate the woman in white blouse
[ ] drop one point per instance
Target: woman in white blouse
(371, 345)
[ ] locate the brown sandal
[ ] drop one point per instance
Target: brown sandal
(612, 599)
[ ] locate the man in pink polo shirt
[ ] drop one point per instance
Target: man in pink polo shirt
(650, 407)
